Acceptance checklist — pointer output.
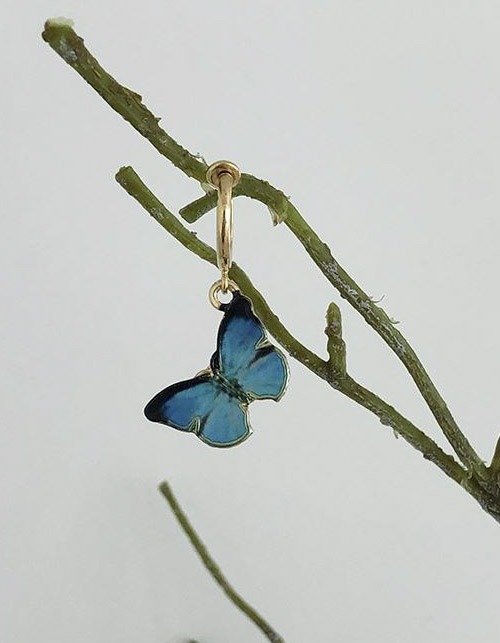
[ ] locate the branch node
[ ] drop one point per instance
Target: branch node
(335, 344)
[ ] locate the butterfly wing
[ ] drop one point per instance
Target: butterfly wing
(227, 423)
(245, 356)
(201, 406)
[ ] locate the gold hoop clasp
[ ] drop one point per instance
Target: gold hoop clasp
(223, 176)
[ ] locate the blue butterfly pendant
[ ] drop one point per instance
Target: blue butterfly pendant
(245, 367)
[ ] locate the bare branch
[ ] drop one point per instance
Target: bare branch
(214, 570)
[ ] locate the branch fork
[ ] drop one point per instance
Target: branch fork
(63, 39)
(467, 469)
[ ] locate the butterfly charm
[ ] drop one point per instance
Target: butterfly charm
(245, 367)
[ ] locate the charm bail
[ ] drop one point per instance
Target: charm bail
(223, 176)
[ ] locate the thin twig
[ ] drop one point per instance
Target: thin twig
(373, 314)
(214, 570)
(132, 183)
(64, 40)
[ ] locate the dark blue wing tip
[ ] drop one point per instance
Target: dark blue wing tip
(151, 410)
(238, 306)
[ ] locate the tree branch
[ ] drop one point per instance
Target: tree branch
(66, 42)
(387, 415)
(214, 570)
(63, 39)
(133, 184)
(374, 315)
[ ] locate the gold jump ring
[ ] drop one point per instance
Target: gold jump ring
(216, 288)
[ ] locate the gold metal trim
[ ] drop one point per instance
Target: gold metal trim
(216, 288)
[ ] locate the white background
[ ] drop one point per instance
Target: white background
(381, 120)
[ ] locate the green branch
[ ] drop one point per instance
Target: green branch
(374, 315)
(63, 39)
(132, 183)
(481, 482)
(66, 42)
(387, 415)
(214, 570)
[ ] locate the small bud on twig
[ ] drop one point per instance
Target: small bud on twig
(335, 344)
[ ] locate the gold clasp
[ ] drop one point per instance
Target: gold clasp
(223, 176)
